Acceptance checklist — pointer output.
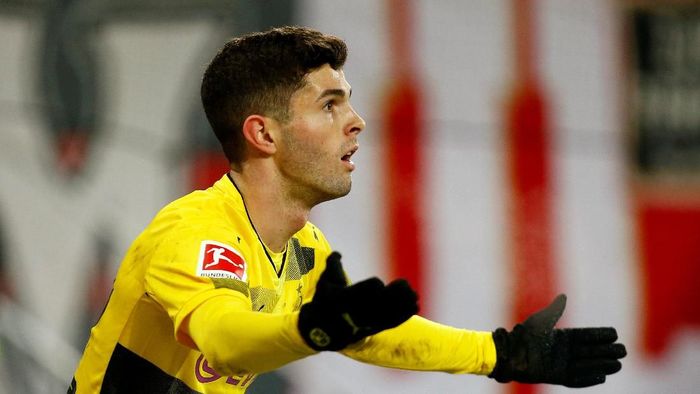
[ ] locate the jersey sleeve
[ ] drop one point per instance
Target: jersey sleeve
(237, 341)
(209, 302)
(423, 345)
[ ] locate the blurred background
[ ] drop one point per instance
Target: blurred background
(515, 149)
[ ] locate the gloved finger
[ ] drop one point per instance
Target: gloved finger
(546, 318)
(587, 380)
(333, 275)
(365, 289)
(400, 291)
(612, 350)
(597, 335)
(360, 299)
(399, 302)
(376, 307)
(596, 366)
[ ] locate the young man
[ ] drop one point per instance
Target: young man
(233, 281)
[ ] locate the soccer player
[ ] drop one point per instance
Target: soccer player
(232, 281)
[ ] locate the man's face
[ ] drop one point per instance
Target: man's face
(316, 144)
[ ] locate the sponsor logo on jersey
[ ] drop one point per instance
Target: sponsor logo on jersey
(206, 374)
(217, 260)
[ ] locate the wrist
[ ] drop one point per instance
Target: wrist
(500, 371)
(295, 338)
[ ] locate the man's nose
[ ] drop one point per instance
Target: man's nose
(357, 124)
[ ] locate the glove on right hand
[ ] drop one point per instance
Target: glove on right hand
(339, 314)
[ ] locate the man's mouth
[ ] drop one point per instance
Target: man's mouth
(349, 154)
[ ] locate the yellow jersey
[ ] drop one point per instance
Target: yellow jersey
(200, 267)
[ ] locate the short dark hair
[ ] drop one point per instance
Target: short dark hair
(258, 73)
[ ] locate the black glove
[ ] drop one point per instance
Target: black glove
(536, 352)
(339, 315)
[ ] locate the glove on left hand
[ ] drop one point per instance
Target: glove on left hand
(536, 352)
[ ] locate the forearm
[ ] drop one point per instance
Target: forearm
(420, 344)
(235, 341)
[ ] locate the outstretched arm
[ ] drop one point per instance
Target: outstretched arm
(423, 345)
(533, 352)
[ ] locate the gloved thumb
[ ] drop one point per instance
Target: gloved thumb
(545, 319)
(333, 275)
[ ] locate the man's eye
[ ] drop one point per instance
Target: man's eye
(328, 106)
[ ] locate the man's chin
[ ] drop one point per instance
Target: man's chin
(337, 192)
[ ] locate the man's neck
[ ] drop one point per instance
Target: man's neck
(275, 216)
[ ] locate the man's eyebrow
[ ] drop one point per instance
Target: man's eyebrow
(333, 92)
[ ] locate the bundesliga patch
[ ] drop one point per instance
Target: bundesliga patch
(217, 260)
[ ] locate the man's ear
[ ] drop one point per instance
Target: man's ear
(256, 130)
